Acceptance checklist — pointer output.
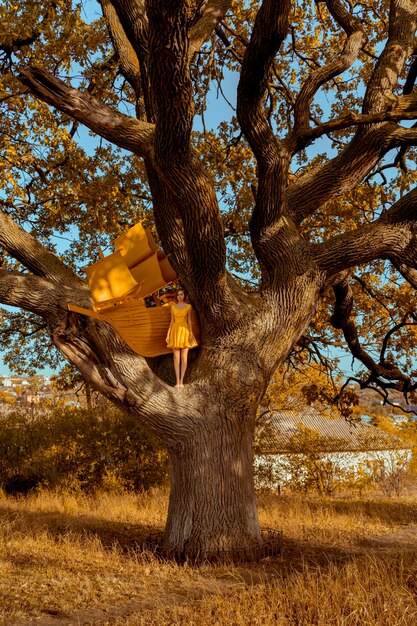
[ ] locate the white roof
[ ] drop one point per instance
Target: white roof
(281, 431)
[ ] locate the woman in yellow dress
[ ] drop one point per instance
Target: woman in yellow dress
(180, 335)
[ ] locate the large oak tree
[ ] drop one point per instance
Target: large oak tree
(253, 199)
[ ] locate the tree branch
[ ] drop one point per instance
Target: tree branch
(387, 370)
(356, 38)
(404, 137)
(341, 319)
(399, 46)
(370, 143)
(391, 332)
(404, 108)
(128, 60)
(400, 159)
(269, 31)
(181, 188)
(408, 273)
(28, 251)
(39, 295)
(411, 76)
(214, 12)
(170, 77)
(344, 300)
(102, 357)
(126, 379)
(268, 230)
(134, 22)
(392, 236)
(122, 130)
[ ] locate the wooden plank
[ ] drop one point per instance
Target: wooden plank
(88, 312)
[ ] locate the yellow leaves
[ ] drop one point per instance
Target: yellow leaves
(62, 180)
(56, 34)
(347, 212)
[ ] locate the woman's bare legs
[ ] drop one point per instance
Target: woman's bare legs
(184, 360)
(177, 365)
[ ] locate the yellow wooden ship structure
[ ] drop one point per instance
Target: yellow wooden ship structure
(119, 284)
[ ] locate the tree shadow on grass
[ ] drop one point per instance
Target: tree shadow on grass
(393, 511)
(125, 536)
(130, 537)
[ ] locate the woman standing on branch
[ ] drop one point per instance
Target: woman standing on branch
(180, 335)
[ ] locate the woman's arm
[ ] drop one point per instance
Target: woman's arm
(192, 338)
(170, 325)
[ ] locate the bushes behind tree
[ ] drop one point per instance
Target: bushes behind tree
(75, 449)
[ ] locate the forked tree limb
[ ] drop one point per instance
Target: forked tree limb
(182, 189)
(392, 236)
(127, 380)
(404, 108)
(134, 21)
(400, 159)
(269, 31)
(339, 175)
(341, 319)
(381, 388)
(170, 209)
(138, 137)
(273, 158)
(369, 144)
(389, 371)
(128, 59)
(134, 24)
(399, 46)
(101, 356)
(122, 130)
(356, 39)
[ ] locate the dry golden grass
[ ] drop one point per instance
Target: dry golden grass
(67, 559)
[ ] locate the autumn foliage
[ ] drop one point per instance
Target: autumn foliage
(69, 449)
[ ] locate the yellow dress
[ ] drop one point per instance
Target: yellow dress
(179, 336)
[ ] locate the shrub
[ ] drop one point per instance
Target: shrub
(77, 448)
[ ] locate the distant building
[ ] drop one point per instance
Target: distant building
(332, 447)
(30, 397)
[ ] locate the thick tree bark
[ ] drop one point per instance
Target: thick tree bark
(212, 506)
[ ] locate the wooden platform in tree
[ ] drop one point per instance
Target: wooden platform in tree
(119, 283)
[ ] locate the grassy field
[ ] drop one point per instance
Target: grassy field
(68, 559)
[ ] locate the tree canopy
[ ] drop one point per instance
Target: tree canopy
(337, 68)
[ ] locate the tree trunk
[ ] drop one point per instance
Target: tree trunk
(208, 425)
(88, 396)
(212, 507)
